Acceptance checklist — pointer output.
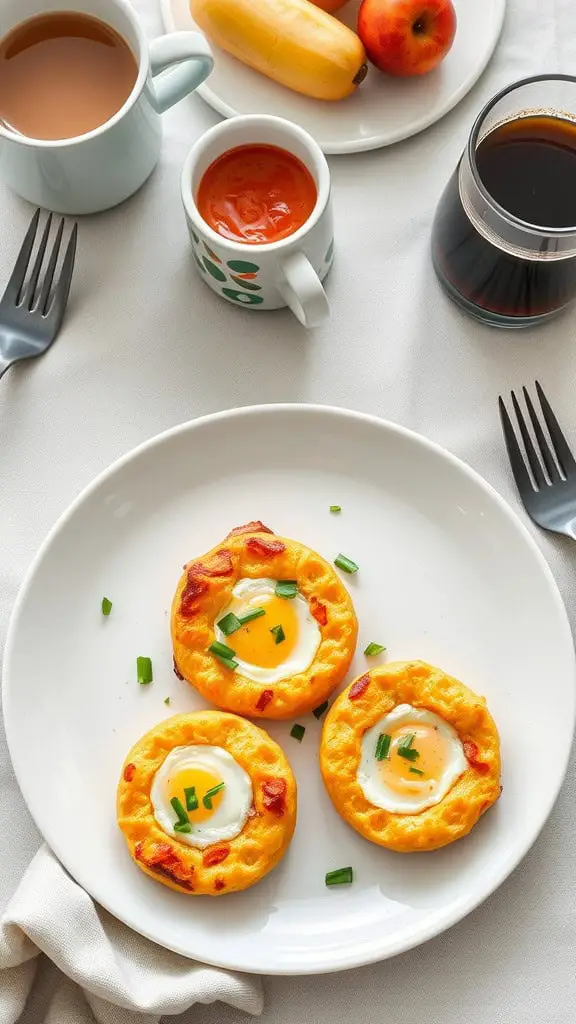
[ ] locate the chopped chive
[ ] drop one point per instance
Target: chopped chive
(166, 700)
(221, 650)
(144, 670)
(179, 810)
(335, 508)
(106, 606)
(297, 732)
(383, 747)
(374, 649)
(182, 826)
(229, 624)
(415, 771)
(278, 634)
(228, 663)
(346, 564)
(319, 711)
(254, 614)
(191, 798)
(405, 748)
(207, 798)
(286, 588)
(339, 877)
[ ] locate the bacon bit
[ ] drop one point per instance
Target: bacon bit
(220, 564)
(219, 884)
(254, 527)
(216, 856)
(129, 772)
(138, 851)
(164, 861)
(265, 548)
(274, 796)
(471, 755)
(264, 699)
(193, 590)
(357, 688)
(177, 671)
(161, 853)
(318, 611)
(162, 869)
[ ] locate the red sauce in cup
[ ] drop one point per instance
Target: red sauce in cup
(256, 194)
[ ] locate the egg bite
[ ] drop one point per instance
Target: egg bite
(207, 803)
(262, 625)
(410, 757)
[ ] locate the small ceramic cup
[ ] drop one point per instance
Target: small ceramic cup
(100, 169)
(284, 273)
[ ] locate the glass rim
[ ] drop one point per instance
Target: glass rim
(525, 225)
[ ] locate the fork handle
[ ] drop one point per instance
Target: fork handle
(4, 364)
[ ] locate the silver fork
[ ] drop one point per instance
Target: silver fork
(546, 479)
(32, 310)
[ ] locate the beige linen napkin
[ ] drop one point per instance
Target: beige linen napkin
(118, 977)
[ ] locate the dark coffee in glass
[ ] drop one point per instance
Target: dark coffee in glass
(504, 235)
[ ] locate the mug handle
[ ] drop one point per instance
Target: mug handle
(191, 54)
(302, 289)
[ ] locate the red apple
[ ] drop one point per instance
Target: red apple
(406, 37)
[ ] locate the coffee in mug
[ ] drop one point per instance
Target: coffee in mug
(63, 74)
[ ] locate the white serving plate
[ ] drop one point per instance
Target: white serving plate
(383, 110)
(447, 574)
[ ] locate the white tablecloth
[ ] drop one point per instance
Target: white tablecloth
(146, 345)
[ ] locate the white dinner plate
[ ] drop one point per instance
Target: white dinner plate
(383, 110)
(447, 574)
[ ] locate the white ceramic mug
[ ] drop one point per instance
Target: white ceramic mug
(284, 273)
(100, 169)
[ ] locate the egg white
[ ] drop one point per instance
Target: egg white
(228, 819)
(422, 793)
(304, 651)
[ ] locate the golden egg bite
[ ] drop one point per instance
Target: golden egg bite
(410, 757)
(207, 803)
(262, 625)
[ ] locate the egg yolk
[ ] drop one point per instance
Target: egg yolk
(255, 643)
(202, 781)
(429, 765)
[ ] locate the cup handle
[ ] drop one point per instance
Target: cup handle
(191, 54)
(302, 289)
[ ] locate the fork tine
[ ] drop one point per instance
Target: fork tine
(543, 445)
(535, 466)
(561, 447)
(18, 276)
(521, 474)
(49, 275)
(28, 295)
(62, 289)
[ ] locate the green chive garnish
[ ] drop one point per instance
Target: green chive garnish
(144, 670)
(335, 508)
(254, 614)
(224, 654)
(297, 732)
(229, 624)
(179, 811)
(182, 826)
(319, 711)
(383, 746)
(278, 634)
(374, 649)
(405, 748)
(339, 877)
(415, 771)
(106, 606)
(346, 564)
(207, 798)
(191, 798)
(166, 700)
(286, 588)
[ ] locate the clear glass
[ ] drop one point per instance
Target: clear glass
(502, 270)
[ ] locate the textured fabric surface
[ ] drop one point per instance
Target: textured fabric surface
(146, 346)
